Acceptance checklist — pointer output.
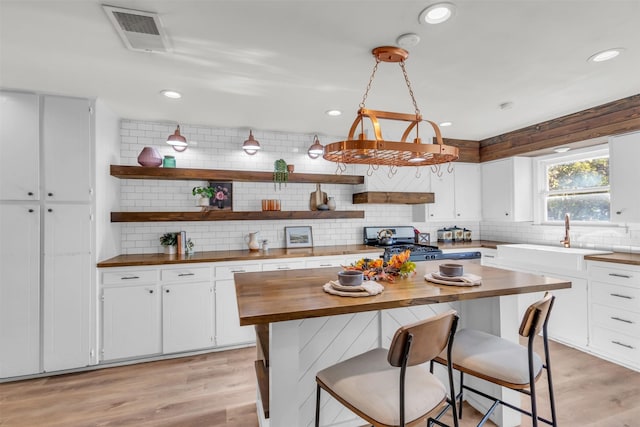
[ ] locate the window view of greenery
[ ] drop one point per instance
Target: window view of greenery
(580, 188)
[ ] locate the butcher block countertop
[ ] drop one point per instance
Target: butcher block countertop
(266, 297)
(616, 257)
(276, 253)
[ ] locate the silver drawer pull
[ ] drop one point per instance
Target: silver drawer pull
(624, 276)
(283, 268)
(325, 265)
(489, 256)
(129, 277)
(186, 274)
(621, 320)
(623, 344)
(621, 296)
(238, 271)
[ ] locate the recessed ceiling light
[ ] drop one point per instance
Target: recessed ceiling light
(561, 149)
(437, 13)
(445, 124)
(171, 94)
(605, 55)
(408, 40)
(333, 113)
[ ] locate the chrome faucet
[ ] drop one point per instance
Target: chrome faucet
(567, 240)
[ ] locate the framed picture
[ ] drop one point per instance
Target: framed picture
(298, 237)
(222, 196)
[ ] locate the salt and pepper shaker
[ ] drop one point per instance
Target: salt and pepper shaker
(265, 246)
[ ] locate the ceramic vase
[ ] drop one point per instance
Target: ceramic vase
(331, 203)
(149, 157)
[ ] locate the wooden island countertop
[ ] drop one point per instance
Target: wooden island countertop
(267, 297)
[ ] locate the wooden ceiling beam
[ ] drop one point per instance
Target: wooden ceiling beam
(613, 118)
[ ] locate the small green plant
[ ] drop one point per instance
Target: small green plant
(280, 173)
(169, 239)
(206, 192)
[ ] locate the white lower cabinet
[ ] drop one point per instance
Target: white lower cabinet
(131, 319)
(614, 303)
(19, 290)
(187, 317)
(228, 329)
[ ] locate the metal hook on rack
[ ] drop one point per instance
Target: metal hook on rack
(370, 170)
(449, 167)
(392, 171)
(340, 168)
(418, 172)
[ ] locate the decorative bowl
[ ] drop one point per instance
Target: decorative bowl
(350, 278)
(451, 270)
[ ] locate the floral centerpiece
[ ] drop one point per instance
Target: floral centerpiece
(376, 269)
(220, 195)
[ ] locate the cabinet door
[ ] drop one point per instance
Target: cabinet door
(66, 133)
(130, 322)
(228, 329)
(624, 152)
(443, 188)
(19, 152)
(19, 290)
(187, 317)
(67, 287)
(569, 322)
(497, 185)
(467, 191)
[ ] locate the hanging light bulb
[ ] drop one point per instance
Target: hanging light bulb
(177, 141)
(316, 150)
(251, 146)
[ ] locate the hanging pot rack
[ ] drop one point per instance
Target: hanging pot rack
(378, 151)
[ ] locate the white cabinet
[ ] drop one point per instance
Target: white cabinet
(507, 193)
(19, 146)
(131, 321)
(187, 317)
(19, 289)
(624, 176)
(67, 286)
(284, 264)
(228, 329)
(615, 312)
(456, 194)
(46, 144)
(67, 149)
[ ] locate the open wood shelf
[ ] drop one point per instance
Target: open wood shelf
(211, 215)
(393, 197)
(140, 172)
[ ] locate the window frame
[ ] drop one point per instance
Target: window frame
(540, 180)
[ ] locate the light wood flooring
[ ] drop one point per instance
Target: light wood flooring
(218, 389)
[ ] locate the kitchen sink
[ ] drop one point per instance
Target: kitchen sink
(571, 259)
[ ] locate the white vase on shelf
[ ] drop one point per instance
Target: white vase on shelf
(331, 203)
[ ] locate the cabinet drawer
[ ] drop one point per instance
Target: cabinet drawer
(615, 275)
(624, 297)
(227, 271)
(626, 322)
(186, 274)
(328, 262)
(129, 277)
(288, 265)
(618, 345)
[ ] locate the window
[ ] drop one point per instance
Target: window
(576, 183)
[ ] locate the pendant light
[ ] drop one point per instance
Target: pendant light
(360, 149)
(251, 146)
(316, 150)
(177, 141)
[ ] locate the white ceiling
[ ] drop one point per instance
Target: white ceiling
(279, 65)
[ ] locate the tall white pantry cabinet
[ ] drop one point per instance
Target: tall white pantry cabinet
(47, 284)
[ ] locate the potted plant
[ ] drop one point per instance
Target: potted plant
(204, 194)
(169, 241)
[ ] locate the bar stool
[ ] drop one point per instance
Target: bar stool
(506, 363)
(386, 387)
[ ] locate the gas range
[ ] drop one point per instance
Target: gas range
(397, 239)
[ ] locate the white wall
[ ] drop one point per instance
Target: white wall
(220, 148)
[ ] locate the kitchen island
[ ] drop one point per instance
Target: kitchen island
(303, 329)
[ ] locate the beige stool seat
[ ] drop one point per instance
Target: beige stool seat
(368, 383)
(490, 357)
(394, 387)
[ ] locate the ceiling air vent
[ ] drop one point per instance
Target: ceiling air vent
(140, 31)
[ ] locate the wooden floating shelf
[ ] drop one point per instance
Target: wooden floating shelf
(393, 197)
(140, 172)
(211, 215)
